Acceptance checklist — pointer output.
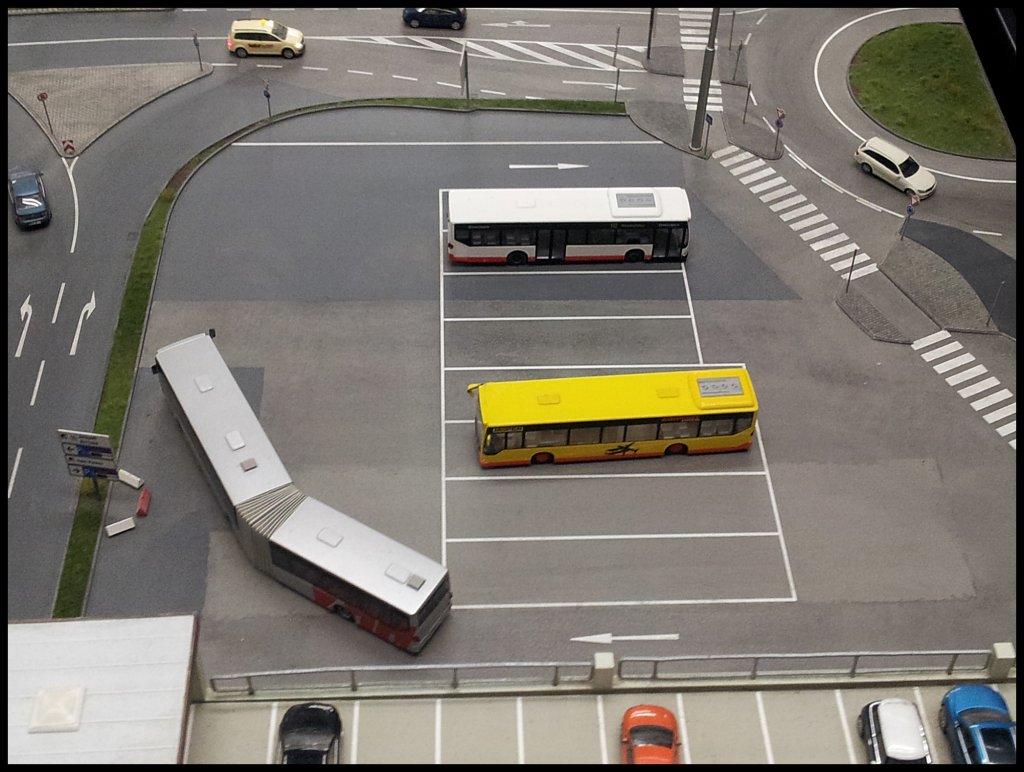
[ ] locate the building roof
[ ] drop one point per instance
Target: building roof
(93, 691)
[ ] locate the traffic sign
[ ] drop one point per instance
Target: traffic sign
(69, 146)
(41, 96)
(84, 438)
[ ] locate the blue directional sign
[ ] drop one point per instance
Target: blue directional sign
(87, 454)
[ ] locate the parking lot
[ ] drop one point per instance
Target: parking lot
(739, 727)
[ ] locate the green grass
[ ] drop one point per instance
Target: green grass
(924, 82)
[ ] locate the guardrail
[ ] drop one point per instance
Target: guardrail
(849, 664)
(604, 674)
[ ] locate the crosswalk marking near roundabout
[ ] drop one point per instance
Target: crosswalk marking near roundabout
(940, 345)
(793, 209)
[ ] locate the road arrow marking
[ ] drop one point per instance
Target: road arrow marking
(609, 638)
(26, 317)
(548, 166)
(87, 310)
(592, 83)
(513, 24)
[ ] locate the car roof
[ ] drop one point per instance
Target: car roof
(967, 696)
(887, 148)
(900, 725)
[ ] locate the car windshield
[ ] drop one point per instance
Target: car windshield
(305, 757)
(910, 167)
(1000, 746)
(26, 186)
(279, 31)
(983, 716)
(652, 735)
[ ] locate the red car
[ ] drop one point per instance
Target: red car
(650, 735)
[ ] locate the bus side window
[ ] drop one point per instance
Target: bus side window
(613, 433)
(636, 432)
(678, 430)
(634, 236)
(716, 427)
(585, 435)
(601, 236)
(743, 422)
(517, 237)
(545, 438)
(513, 440)
(494, 442)
(576, 236)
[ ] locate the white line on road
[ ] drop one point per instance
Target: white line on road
(56, 308)
(39, 377)
(14, 472)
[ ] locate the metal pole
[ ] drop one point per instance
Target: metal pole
(746, 103)
(195, 42)
(849, 276)
(47, 111)
(266, 93)
(650, 32)
(615, 62)
(739, 53)
(705, 82)
(731, 25)
(995, 303)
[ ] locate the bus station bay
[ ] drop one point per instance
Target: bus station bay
(354, 339)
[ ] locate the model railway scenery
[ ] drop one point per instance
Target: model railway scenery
(325, 555)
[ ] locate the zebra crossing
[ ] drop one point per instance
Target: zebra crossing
(984, 392)
(583, 56)
(694, 28)
(833, 246)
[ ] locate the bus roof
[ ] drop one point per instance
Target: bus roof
(221, 418)
(616, 397)
(360, 555)
(481, 206)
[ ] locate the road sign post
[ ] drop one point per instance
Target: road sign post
(266, 93)
(195, 42)
(42, 96)
(781, 114)
(88, 455)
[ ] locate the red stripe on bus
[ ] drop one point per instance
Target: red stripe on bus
(602, 457)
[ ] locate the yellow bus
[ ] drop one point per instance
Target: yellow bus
(610, 417)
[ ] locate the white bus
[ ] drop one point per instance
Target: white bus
(515, 226)
(334, 560)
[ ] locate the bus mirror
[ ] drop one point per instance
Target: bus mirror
(472, 387)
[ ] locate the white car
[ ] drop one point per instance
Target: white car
(893, 733)
(888, 162)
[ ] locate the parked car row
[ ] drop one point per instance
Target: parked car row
(974, 718)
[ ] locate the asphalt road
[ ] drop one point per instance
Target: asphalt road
(338, 318)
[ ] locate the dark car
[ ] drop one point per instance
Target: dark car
(977, 724)
(893, 733)
(28, 198)
(310, 734)
(450, 18)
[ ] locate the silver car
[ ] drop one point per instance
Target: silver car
(884, 160)
(893, 733)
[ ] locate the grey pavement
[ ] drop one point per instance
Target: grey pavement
(937, 275)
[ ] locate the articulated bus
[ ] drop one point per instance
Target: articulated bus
(515, 226)
(610, 417)
(334, 560)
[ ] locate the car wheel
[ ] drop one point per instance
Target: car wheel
(860, 727)
(288, 53)
(241, 53)
(866, 168)
(456, 25)
(910, 192)
(414, 23)
(542, 458)
(516, 258)
(943, 718)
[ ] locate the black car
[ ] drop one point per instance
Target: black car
(310, 734)
(451, 18)
(28, 198)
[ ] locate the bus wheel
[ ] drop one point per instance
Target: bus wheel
(542, 458)
(516, 258)
(344, 613)
(634, 256)
(675, 449)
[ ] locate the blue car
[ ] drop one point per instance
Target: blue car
(977, 724)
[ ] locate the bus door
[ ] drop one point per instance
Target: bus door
(550, 244)
(668, 242)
